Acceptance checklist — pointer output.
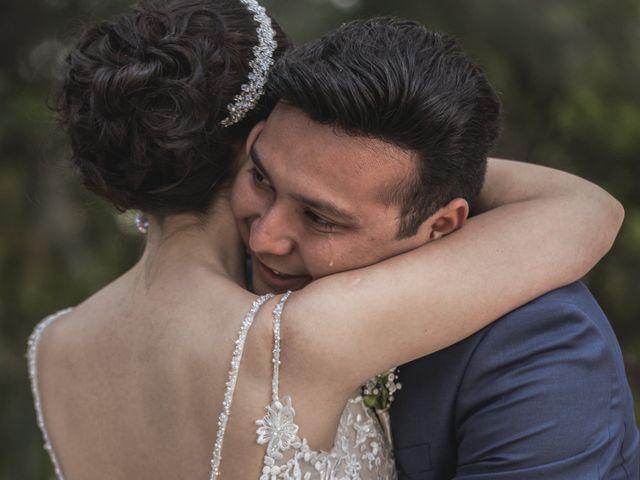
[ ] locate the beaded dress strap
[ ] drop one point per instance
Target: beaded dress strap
(231, 383)
(32, 359)
(277, 316)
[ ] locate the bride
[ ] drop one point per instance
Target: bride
(166, 372)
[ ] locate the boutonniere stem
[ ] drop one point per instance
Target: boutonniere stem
(378, 394)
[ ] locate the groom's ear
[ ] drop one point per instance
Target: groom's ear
(253, 136)
(448, 219)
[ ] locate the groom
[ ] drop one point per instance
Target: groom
(389, 120)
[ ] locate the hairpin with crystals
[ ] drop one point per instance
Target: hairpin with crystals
(260, 65)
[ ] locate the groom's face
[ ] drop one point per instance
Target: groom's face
(310, 201)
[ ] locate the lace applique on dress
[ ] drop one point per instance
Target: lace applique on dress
(360, 451)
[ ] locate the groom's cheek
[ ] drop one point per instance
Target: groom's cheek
(334, 256)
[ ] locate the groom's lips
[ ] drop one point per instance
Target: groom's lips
(280, 282)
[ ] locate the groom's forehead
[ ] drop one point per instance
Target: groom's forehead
(290, 136)
(350, 181)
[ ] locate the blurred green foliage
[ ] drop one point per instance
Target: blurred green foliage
(567, 71)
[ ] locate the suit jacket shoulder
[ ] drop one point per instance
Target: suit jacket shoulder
(540, 393)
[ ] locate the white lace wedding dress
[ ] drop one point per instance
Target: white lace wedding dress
(360, 451)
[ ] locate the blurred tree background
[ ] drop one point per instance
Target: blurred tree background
(567, 71)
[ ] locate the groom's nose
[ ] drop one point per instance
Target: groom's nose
(269, 234)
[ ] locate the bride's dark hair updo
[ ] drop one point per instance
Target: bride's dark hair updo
(143, 95)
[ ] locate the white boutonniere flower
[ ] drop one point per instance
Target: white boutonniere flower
(378, 394)
(379, 391)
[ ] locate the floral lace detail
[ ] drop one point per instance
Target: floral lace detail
(277, 428)
(360, 451)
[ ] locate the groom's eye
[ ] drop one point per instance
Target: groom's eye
(319, 222)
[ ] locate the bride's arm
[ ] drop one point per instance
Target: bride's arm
(544, 229)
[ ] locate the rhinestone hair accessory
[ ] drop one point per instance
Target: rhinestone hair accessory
(262, 61)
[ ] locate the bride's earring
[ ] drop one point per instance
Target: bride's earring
(142, 223)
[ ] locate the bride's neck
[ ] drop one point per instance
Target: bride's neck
(187, 241)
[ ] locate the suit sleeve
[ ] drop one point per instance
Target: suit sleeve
(536, 399)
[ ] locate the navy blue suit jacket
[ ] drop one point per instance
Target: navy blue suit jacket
(539, 394)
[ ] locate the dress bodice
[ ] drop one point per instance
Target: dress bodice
(360, 450)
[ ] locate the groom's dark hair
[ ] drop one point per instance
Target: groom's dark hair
(397, 81)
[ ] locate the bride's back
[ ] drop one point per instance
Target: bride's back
(132, 384)
(129, 388)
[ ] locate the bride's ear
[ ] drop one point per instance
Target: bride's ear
(448, 219)
(253, 136)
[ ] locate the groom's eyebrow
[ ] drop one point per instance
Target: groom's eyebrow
(321, 206)
(328, 208)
